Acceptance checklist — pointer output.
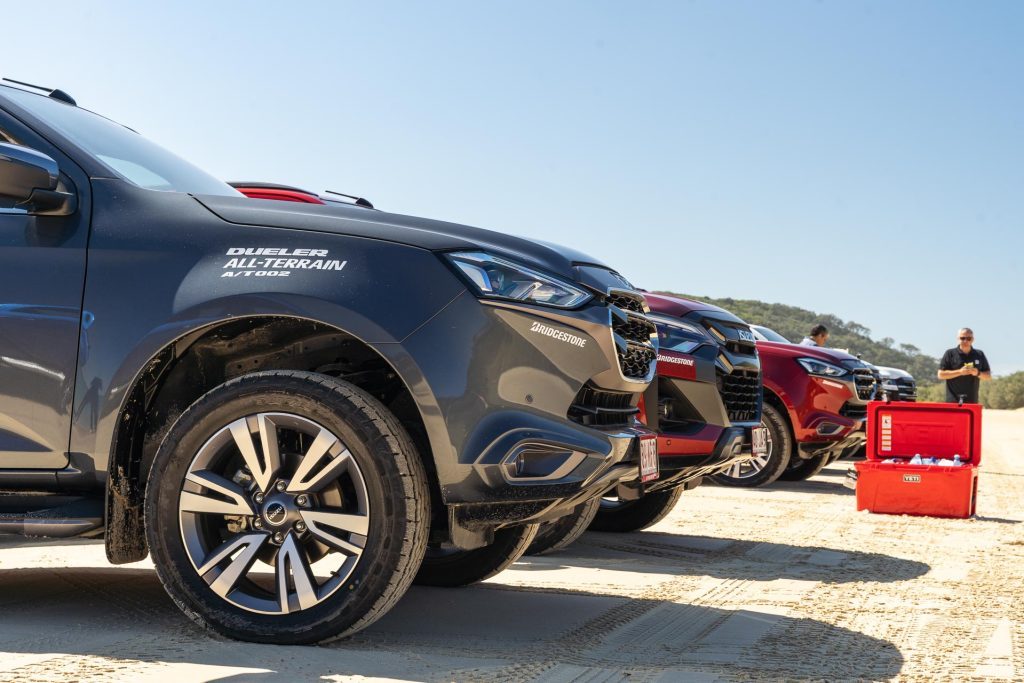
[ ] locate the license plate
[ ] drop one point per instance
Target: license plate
(759, 441)
(648, 457)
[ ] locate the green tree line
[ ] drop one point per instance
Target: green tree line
(794, 323)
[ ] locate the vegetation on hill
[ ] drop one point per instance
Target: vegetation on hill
(794, 323)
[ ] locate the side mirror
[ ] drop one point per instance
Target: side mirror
(31, 180)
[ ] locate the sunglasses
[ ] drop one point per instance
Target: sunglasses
(966, 338)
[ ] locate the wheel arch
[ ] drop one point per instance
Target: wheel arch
(778, 402)
(204, 356)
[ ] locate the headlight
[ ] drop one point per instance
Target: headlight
(820, 367)
(676, 335)
(496, 278)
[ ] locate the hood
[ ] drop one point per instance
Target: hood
(680, 308)
(416, 232)
(799, 351)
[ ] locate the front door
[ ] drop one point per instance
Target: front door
(42, 276)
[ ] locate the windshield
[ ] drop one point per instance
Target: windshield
(765, 334)
(124, 152)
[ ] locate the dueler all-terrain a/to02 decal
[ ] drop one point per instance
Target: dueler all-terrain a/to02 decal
(276, 262)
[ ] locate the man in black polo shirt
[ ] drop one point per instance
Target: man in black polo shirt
(963, 367)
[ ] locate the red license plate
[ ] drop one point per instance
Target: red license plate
(648, 457)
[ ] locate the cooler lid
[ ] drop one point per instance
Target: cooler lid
(941, 430)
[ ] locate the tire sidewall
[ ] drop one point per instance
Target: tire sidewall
(458, 568)
(635, 515)
(800, 469)
(564, 531)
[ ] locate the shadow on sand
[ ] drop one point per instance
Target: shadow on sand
(654, 552)
(124, 614)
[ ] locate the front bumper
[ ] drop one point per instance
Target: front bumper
(840, 448)
(733, 446)
(516, 503)
(495, 384)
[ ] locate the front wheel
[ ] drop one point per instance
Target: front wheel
(451, 567)
(562, 532)
(616, 514)
(286, 507)
(764, 469)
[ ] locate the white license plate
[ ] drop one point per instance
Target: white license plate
(648, 457)
(759, 441)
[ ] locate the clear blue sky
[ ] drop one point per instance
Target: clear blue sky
(859, 158)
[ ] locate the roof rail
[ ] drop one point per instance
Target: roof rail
(50, 92)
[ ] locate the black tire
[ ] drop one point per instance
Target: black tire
(451, 567)
(780, 449)
(562, 532)
(393, 490)
(617, 515)
(800, 469)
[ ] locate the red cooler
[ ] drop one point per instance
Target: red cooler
(902, 430)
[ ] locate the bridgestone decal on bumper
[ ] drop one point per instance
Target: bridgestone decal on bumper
(541, 328)
(676, 361)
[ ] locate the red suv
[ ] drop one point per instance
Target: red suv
(815, 408)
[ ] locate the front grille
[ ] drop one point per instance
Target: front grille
(627, 302)
(635, 329)
(598, 408)
(741, 347)
(865, 382)
(854, 411)
(636, 361)
(907, 389)
(632, 331)
(741, 393)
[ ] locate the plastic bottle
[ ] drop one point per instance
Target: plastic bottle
(956, 461)
(916, 460)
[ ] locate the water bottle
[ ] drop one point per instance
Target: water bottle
(956, 460)
(916, 460)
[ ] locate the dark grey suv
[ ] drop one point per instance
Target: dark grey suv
(295, 409)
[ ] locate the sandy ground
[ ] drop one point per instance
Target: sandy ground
(785, 583)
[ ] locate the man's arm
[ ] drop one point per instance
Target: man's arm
(946, 370)
(984, 369)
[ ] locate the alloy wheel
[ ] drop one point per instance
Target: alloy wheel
(274, 513)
